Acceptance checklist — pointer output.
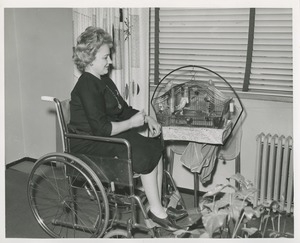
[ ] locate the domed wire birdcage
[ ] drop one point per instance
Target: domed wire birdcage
(188, 97)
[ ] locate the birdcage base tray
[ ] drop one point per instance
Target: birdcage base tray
(197, 134)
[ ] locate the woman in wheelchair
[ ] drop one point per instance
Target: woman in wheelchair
(98, 109)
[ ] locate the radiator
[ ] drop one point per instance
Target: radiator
(274, 170)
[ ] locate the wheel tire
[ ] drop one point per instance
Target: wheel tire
(67, 198)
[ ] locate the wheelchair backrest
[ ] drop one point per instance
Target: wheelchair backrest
(63, 116)
(64, 120)
(65, 107)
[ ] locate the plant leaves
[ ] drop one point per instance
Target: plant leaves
(246, 184)
(249, 212)
(214, 221)
(216, 190)
(204, 235)
(221, 203)
(274, 234)
(266, 217)
(247, 192)
(258, 211)
(204, 202)
(250, 231)
(215, 206)
(237, 177)
(205, 211)
(209, 206)
(179, 232)
(235, 209)
(275, 208)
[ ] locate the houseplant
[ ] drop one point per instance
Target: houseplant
(228, 211)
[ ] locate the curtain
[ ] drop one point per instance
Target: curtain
(129, 28)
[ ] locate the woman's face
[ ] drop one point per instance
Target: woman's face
(102, 61)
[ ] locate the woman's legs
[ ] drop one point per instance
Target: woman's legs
(151, 186)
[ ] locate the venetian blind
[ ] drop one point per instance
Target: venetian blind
(272, 69)
(218, 39)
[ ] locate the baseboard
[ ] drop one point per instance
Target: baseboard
(20, 161)
(189, 191)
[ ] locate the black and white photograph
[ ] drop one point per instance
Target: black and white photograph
(150, 121)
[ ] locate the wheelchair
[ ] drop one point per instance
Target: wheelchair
(80, 196)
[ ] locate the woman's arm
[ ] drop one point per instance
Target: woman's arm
(136, 120)
(154, 126)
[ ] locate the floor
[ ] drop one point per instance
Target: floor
(20, 222)
(17, 205)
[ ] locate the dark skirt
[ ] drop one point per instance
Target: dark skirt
(146, 152)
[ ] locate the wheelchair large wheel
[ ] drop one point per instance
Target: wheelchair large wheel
(67, 198)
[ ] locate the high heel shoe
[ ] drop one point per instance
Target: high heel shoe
(176, 214)
(166, 223)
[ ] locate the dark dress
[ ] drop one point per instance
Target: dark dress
(94, 104)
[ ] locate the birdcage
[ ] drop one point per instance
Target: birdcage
(192, 104)
(188, 97)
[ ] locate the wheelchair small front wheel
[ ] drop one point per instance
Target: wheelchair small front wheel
(117, 234)
(67, 198)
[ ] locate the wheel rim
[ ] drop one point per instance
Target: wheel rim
(67, 206)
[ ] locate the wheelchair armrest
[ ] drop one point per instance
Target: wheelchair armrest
(47, 98)
(102, 139)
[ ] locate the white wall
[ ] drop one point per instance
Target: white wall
(38, 61)
(14, 139)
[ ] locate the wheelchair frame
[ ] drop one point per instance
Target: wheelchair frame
(54, 171)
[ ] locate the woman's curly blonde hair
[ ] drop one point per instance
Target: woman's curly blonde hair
(88, 44)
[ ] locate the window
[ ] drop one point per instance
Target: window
(250, 48)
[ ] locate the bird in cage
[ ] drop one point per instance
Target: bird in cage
(184, 100)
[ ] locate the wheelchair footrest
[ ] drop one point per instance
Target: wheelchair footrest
(74, 226)
(174, 199)
(194, 215)
(150, 224)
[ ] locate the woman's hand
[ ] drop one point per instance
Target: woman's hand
(138, 119)
(154, 126)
